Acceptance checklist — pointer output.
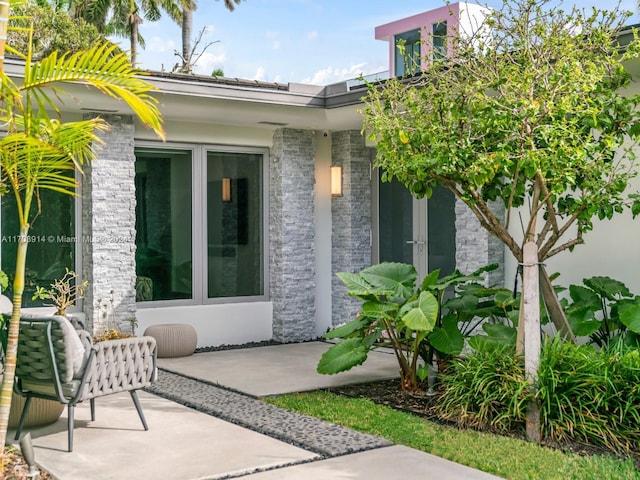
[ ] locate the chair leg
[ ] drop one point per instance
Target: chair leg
(92, 404)
(70, 424)
(23, 417)
(136, 402)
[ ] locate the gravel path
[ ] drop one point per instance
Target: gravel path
(309, 433)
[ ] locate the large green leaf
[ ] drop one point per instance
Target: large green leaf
(465, 303)
(357, 286)
(397, 278)
(498, 335)
(582, 320)
(607, 287)
(424, 315)
(430, 279)
(347, 329)
(584, 296)
(503, 298)
(343, 356)
(386, 310)
(447, 339)
(630, 314)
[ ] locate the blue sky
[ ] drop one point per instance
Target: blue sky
(306, 41)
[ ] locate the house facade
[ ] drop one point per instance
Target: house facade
(231, 225)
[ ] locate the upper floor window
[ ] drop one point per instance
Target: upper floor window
(407, 53)
(439, 36)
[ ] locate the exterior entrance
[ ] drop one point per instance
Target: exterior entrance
(416, 231)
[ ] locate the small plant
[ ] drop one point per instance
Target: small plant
(62, 293)
(110, 328)
(421, 324)
(394, 314)
(465, 304)
(604, 310)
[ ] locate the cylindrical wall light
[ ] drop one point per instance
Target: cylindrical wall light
(226, 189)
(336, 180)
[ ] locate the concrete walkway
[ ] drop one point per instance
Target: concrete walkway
(206, 424)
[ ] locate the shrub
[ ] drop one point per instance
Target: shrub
(487, 390)
(585, 396)
(591, 396)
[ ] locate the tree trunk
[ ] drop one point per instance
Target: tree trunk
(133, 40)
(531, 307)
(11, 353)
(556, 313)
(187, 29)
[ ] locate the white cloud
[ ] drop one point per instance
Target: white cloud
(259, 75)
(276, 45)
(160, 45)
(208, 62)
(330, 75)
(312, 35)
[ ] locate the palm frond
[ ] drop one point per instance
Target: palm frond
(106, 69)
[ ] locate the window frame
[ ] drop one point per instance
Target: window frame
(199, 221)
(410, 41)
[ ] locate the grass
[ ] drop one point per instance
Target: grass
(503, 456)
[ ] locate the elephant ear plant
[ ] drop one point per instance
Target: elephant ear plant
(604, 310)
(394, 314)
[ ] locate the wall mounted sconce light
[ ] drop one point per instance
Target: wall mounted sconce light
(336, 181)
(226, 189)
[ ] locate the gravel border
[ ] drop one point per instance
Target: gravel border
(323, 438)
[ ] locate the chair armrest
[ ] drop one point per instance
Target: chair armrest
(120, 365)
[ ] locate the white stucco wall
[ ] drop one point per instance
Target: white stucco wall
(226, 324)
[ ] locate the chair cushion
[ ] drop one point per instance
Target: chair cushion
(47, 388)
(73, 346)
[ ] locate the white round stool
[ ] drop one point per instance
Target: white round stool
(173, 339)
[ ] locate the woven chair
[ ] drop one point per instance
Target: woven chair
(57, 362)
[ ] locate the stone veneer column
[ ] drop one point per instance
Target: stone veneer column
(292, 234)
(475, 247)
(108, 228)
(350, 218)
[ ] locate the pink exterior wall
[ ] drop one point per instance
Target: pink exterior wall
(424, 21)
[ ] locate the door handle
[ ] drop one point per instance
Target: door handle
(415, 242)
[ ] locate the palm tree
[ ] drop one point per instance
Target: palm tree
(40, 150)
(122, 18)
(187, 30)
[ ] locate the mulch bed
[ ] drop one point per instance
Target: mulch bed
(15, 468)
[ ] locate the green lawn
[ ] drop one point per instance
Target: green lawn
(502, 456)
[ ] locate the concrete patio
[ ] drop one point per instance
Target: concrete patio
(202, 426)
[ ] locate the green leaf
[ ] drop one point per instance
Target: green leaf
(343, 356)
(430, 279)
(386, 310)
(585, 328)
(447, 339)
(584, 296)
(498, 336)
(504, 298)
(422, 317)
(399, 279)
(462, 304)
(357, 286)
(630, 314)
(607, 287)
(343, 331)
